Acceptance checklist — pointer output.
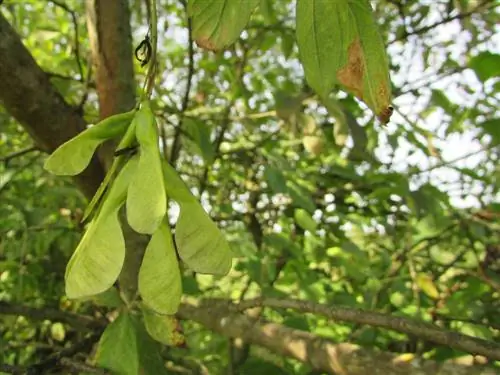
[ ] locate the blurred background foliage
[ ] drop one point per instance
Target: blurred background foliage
(318, 200)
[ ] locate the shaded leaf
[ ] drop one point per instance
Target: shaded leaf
(117, 349)
(486, 65)
(199, 137)
(159, 276)
(218, 23)
(492, 127)
(200, 244)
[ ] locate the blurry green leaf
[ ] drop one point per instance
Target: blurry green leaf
(305, 220)
(300, 196)
(439, 99)
(275, 179)
(287, 42)
(486, 65)
(256, 365)
(159, 276)
(426, 284)
(72, 157)
(200, 244)
(267, 11)
(218, 23)
(476, 330)
(492, 127)
(163, 328)
(199, 137)
(339, 42)
(98, 259)
(57, 332)
(146, 198)
(287, 106)
(117, 349)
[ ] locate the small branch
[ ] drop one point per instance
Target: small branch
(76, 320)
(6, 159)
(185, 101)
(422, 330)
(152, 68)
(74, 19)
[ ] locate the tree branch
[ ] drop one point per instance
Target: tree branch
(320, 354)
(423, 330)
(30, 98)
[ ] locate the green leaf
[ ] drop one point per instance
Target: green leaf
(57, 332)
(218, 23)
(200, 244)
(108, 298)
(159, 276)
(300, 196)
(146, 198)
(117, 350)
(163, 328)
(72, 157)
(150, 359)
(199, 137)
(275, 179)
(98, 259)
(175, 187)
(486, 65)
(426, 284)
(492, 127)
(305, 220)
(339, 42)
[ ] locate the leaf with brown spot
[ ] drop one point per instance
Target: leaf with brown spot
(339, 43)
(218, 23)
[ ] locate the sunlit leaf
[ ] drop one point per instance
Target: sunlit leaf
(117, 350)
(339, 42)
(201, 245)
(146, 199)
(98, 259)
(218, 23)
(305, 220)
(426, 284)
(159, 276)
(72, 157)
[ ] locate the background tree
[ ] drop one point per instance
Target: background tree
(357, 245)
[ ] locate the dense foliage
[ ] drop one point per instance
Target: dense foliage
(319, 199)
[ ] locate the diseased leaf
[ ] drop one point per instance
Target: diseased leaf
(146, 199)
(98, 259)
(200, 244)
(72, 157)
(117, 350)
(163, 328)
(159, 276)
(218, 23)
(339, 42)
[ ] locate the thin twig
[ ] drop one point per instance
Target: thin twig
(6, 159)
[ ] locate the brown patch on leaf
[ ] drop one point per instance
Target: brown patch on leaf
(206, 43)
(385, 115)
(351, 75)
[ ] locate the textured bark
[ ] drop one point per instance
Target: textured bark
(108, 24)
(27, 95)
(320, 354)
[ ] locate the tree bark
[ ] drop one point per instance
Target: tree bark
(27, 94)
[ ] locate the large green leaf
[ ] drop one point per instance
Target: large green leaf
(146, 198)
(339, 42)
(486, 65)
(98, 259)
(218, 23)
(159, 276)
(175, 187)
(117, 350)
(200, 244)
(151, 361)
(72, 157)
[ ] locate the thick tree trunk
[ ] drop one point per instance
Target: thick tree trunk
(27, 94)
